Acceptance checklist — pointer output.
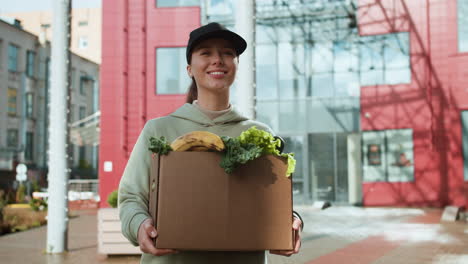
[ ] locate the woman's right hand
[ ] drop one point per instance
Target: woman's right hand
(146, 233)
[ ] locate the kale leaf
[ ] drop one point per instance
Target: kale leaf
(159, 145)
(237, 153)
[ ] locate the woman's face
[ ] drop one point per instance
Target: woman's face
(214, 65)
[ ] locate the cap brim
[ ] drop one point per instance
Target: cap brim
(237, 41)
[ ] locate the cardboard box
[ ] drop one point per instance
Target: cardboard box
(200, 207)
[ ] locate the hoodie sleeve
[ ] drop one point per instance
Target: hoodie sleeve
(133, 188)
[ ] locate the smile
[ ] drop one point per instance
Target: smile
(217, 73)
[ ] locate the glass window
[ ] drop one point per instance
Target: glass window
(322, 57)
(171, 76)
(464, 125)
(346, 57)
(396, 59)
(374, 158)
(385, 59)
(462, 9)
(371, 51)
(12, 138)
(292, 116)
(267, 112)
(220, 10)
(73, 78)
(12, 58)
(82, 112)
(296, 145)
(82, 42)
(388, 155)
(322, 85)
(29, 105)
(322, 165)
(31, 59)
(86, 83)
(12, 101)
(177, 3)
(291, 71)
(83, 23)
(266, 72)
(82, 156)
(28, 154)
(1, 54)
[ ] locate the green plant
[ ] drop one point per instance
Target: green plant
(35, 224)
(20, 193)
(35, 186)
(38, 204)
(159, 145)
(112, 199)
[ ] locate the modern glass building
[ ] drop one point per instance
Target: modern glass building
(362, 91)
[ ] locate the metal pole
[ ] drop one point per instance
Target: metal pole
(57, 220)
(245, 26)
(22, 132)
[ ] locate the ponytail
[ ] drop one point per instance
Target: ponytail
(192, 93)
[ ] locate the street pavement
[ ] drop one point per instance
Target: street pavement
(335, 235)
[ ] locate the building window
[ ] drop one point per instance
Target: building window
(13, 58)
(462, 9)
(464, 126)
(385, 59)
(1, 54)
(388, 155)
(72, 78)
(177, 3)
(171, 77)
(83, 23)
(221, 10)
(86, 84)
(82, 112)
(12, 101)
(12, 138)
(28, 154)
(30, 62)
(82, 42)
(29, 105)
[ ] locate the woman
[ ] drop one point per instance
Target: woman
(212, 57)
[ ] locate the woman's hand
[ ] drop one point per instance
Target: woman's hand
(146, 233)
(297, 243)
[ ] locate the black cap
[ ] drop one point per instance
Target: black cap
(214, 30)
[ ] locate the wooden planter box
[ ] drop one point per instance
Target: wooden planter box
(110, 238)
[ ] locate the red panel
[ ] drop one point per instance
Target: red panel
(132, 29)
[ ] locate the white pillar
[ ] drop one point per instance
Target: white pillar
(57, 219)
(245, 26)
(354, 169)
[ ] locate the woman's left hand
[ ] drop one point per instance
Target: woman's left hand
(297, 240)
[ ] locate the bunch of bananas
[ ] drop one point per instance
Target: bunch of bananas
(198, 141)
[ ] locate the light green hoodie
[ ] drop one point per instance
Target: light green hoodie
(133, 189)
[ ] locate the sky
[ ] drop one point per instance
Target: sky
(8, 6)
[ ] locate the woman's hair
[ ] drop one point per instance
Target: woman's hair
(192, 93)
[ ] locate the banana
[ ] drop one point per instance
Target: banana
(199, 148)
(198, 139)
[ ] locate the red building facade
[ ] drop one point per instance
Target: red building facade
(430, 105)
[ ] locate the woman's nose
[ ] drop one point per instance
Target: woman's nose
(218, 58)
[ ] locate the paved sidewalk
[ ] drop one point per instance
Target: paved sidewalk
(335, 235)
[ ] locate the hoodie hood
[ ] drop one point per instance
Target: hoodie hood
(191, 113)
